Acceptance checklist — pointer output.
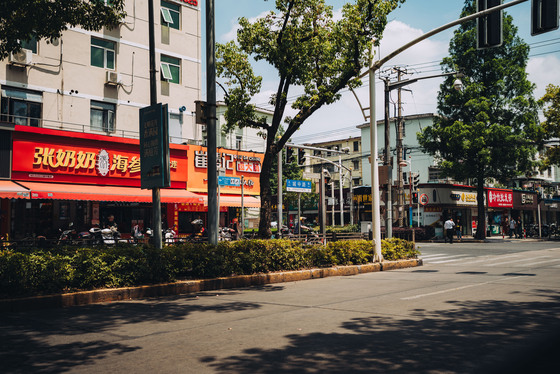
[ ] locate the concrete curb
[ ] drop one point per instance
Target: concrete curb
(193, 286)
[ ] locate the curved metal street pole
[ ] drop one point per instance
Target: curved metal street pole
(373, 67)
(375, 216)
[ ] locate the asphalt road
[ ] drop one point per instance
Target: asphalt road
(472, 308)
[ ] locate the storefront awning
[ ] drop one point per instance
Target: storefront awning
(60, 191)
(11, 190)
(235, 201)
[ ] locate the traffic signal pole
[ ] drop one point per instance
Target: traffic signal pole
(372, 68)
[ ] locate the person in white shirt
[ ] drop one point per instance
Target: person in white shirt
(448, 226)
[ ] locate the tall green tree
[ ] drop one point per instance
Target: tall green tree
(551, 126)
(487, 132)
(310, 50)
(23, 20)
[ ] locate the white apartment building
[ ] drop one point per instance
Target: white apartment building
(96, 82)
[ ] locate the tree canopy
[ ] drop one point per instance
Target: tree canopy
(23, 20)
(551, 125)
(310, 50)
(489, 130)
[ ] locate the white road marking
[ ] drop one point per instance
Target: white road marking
(537, 263)
(490, 258)
(514, 261)
(442, 257)
(456, 288)
(446, 261)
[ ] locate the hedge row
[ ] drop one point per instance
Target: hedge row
(57, 270)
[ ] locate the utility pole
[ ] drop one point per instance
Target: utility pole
(399, 149)
(213, 208)
(389, 166)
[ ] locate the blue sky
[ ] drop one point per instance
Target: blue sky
(412, 19)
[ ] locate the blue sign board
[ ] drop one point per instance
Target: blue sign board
(154, 147)
(229, 181)
(298, 186)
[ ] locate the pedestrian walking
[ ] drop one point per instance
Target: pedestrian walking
(459, 230)
(448, 226)
(512, 226)
(519, 229)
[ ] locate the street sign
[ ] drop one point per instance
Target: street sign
(307, 175)
(423, 199)
(229, 181)
(298, 186)
(154, 147)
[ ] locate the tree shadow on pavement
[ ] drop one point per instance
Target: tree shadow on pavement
(25, 344)
(468, 337)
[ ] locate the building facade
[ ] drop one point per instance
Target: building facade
(96, 82)
(69, 128)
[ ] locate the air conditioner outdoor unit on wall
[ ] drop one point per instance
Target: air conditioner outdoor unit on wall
(22, 58)
(112, 78)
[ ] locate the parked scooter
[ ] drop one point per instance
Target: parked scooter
(106, 236)
(67, 236)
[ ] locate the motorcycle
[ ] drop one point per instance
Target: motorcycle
(226, 234)
(67, 236)
(106, 236)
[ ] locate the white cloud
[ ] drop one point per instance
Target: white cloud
(543, 70)
(232, 33)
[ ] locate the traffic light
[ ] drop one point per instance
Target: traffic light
(489, 27)
(200, 112)
(415, 180)
(289, 155)
(301, 156)
(544, 16)
(415, 197)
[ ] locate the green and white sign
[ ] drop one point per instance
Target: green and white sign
(154, 147)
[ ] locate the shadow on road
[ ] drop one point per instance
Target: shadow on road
(25, 347)
(470, 337)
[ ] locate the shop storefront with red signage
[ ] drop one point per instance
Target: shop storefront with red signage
(60, 177)
(499, 203)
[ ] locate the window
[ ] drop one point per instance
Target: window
(238, 141)
(356, 165)
(170, 69)
(102, 53)
(21, 107)
(102, 116)
(175, 128)
(30, 44)
(356, 146)
(170, 15)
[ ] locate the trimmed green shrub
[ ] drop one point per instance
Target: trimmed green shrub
(65, 269)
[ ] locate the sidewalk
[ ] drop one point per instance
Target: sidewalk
(489, 239)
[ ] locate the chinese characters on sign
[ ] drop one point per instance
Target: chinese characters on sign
(84, 161)
(229, 161)
(500, 199)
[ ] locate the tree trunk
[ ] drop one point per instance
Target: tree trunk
(266, 196)
(481, 224)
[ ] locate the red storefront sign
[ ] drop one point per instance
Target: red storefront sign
(60, 156)
(500, 198)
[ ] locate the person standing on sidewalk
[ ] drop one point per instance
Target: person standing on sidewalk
(512, 225)
(448, 226)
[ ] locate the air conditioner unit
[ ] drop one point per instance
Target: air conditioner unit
(112, 78)
(203, 128)
(22, 58)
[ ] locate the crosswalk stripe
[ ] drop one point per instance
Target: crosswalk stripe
(537, 263)
(491, 258)
(454, 260)
(443, 257)
(514, 261)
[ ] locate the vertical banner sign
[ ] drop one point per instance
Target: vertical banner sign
(154, 147)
